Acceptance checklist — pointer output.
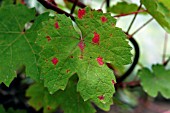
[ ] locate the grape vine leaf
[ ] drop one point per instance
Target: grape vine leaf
(159, 11)
(123, 8)
(165, 2)
(66, 52)
(68, 100)
(156, 80)
(17, 46)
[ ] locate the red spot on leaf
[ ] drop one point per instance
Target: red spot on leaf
(48, 38)
(81, 13)
(54, 60)
(48, 108)
(100, 61)
(101, 97)
(67, 71)
(22, 2)
(71, 56)
(81, 45)
(56, 25)
(103, 19)
(96, 38)
(113, 82)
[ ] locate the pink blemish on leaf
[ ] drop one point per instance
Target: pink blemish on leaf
(103, 19)
(101, 97)
(96, 38)
(81, 45)
(54, 60)
(67, 71)
(22, 2)
(81, 13)
(113, 82)
(48, 38)
(56, 25)
(100, 61)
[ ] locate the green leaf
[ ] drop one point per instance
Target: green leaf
(156, 80)
(17, 47)
(6, 2)
(2, 110)
(159, 12)
(66, 52)
(165, 2)
(69, 100)
(123, 8)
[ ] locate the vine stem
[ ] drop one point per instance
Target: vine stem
(51, 6)
(74, 6)
(142, 27)
(164, 48)
(127, 14)
(134, 18)
(80, 4)
(102, 4)
(107, 3)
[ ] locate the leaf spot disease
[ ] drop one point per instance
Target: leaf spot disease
(54, 60)
(103, 19)
(100, 61)
(81, 45)
(71, 56)
(48, 38)
(81, 13)
(67, 71)
(113, 82)
(48, 108)
(96, 38)
(101, 97)
(56, 25)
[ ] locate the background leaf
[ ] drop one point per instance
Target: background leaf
(123, 8)
(69, 100)
(156, 80)
(16, 48)
(2, 110)
(159, 12)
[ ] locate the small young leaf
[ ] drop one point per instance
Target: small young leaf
(123, 8)
(156, 80)
(159, 12)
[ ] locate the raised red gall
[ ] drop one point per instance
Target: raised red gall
(81, 45)
(100, 61)
(56, 25)
(81, 13)
(96, 38)
(54, 60)
(101, 97)
(48, 38)
(103, 19)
